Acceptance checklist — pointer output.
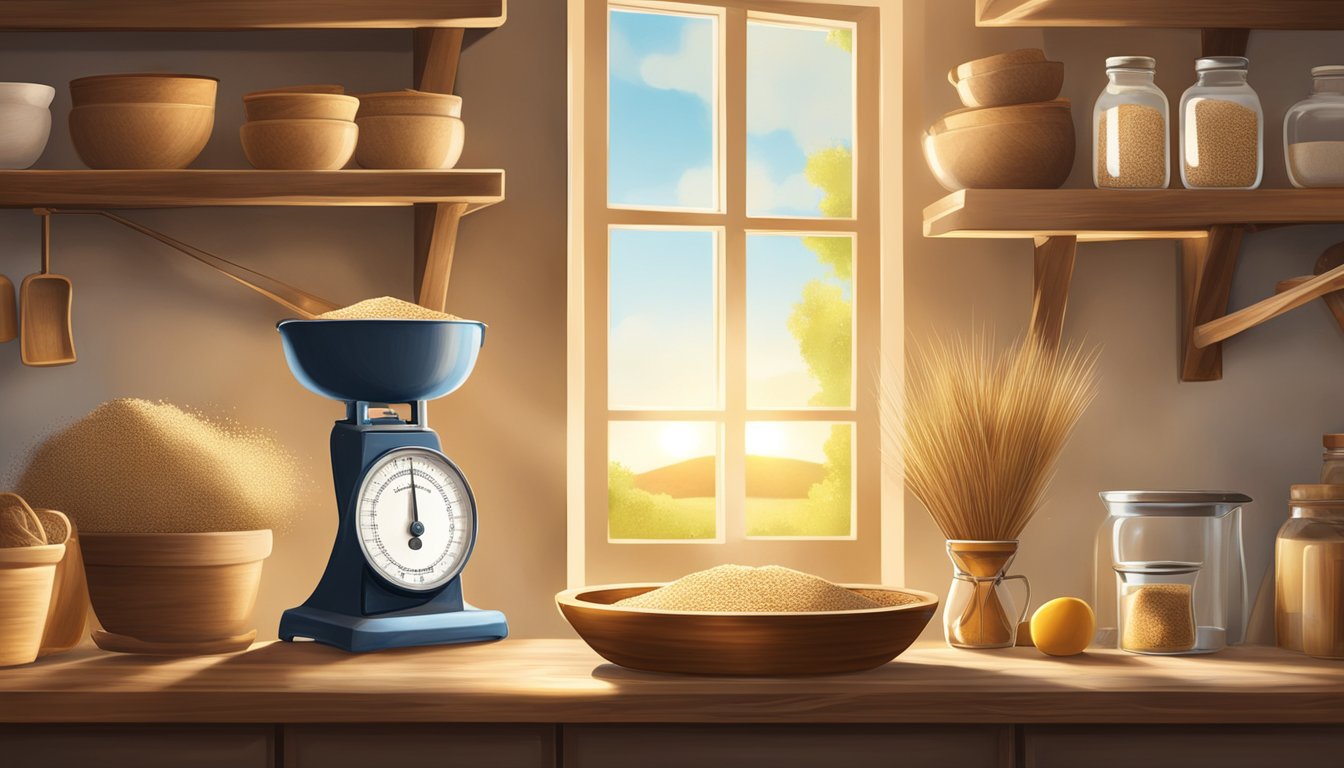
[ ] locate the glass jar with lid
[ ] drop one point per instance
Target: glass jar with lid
(1313, 132)
(1309, 573)
(1130, 140)
(1332, 458)
(1222, 127)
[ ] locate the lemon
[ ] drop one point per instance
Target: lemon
(1063, 627)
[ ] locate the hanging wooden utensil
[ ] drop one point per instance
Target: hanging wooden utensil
(1263, 311)
(9, 311)
(46, 337)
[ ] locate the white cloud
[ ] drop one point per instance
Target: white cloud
(658, 362)
(695, 189)
(798, 82)
(690, 68)
(621, 57)
(794, 193)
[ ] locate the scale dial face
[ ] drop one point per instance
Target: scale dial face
(416, 518)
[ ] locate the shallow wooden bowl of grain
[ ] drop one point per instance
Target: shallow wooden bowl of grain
(299, 145)
(170, 589)
(757, 644)
(300, 106)
(140, 136)
(1033, 81)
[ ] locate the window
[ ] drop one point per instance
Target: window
(730, 291)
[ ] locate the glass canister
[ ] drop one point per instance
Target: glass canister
(1309, 573)
(1130, 140)
(1222, 127)
(1168, 538)
(1157, 607)
(1313, 132)
(1332, 459)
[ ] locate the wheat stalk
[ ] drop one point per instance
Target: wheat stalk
(980, 430)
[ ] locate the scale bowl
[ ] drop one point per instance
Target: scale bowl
(381, 361)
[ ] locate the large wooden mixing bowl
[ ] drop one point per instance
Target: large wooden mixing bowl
(701, 643)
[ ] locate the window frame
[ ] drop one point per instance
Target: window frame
(855, 557)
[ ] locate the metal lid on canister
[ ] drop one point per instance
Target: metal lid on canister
(1328, 70)
(1131, 62)
(1210, 63)
(1333, 441)
(1316, 492)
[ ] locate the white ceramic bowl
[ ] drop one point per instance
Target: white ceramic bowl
(25, 123)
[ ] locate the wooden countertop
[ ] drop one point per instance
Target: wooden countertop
(562, 681)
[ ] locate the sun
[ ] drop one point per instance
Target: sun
(765, 439)
(679, 441)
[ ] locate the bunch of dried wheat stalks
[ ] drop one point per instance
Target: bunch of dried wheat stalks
(980, 429)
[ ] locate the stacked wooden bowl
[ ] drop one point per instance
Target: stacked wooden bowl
(307, 128)
(409, 130)
(1013, 133)
(141, 120)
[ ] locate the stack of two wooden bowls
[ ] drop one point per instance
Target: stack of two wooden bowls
(1014, 132)
(300, 128)
(410, 129)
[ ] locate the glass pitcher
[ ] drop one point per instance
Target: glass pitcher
(979, 612)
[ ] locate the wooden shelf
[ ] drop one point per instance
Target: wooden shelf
(1190, 14)
(189, 188)
(248, 14)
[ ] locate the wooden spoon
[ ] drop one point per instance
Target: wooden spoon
(9, 314)
(46, 337)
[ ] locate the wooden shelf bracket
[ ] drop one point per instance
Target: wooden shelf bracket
(1207, 265)
(436, 55)
(1053, 273)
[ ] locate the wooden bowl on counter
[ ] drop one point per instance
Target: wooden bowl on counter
(1018, 147)
(140, 135)
(1032, 81)
(432, 142)
(26, 578)
(300, 106)
(409, 102)
(299, 145)
(145, 88)
(777, 644)
(175, 592)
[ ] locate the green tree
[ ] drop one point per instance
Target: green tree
(634, 513)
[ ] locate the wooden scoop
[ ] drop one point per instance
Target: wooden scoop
(9, 314)
(46, 336)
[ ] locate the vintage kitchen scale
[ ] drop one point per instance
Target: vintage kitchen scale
(407, 515)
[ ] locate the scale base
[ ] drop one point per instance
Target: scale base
(360, 634)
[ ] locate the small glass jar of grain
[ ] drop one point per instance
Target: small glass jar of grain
(1313, 132)
(1130, 144)
(1222, 127)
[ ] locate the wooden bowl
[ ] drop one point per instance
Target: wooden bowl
(302, 89)
(140, 135)
(997, 61)
(1015, 84)
(1031, 154)
(701, 643)
(183, 588)
(299, 145)
(300, 106)
(144, 89)
(409, 102)
(26, 578)
(1057, 111)
(409, 141)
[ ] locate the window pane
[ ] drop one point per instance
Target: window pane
(662, 480)
(800, 120)
(661, 97)
(800, 320)
(799, 477)
(663, 349)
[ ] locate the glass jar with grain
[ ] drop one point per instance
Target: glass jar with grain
(1313, 132)
(1222, 127)
(1157, 607)
(1130, 144)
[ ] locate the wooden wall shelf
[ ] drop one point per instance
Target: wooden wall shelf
(248, 14)
(1190, 14)
(1210, 224)
(179, 189)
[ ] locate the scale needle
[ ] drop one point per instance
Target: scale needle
(417, 527)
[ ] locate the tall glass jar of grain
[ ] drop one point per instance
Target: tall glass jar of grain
(1130, 143)
(1313, 132)
(1222, 127)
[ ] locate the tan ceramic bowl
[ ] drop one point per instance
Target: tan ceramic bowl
(300, 106)
(299, 145)
(144, 89)
(702, 643)
(302, 89)
(432, 142)
(1033, 153)
(1057, 111)
(997, 61)
(26, 578)
(409, 102)
(140, 135)
(1033, 81)
(175, 587)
